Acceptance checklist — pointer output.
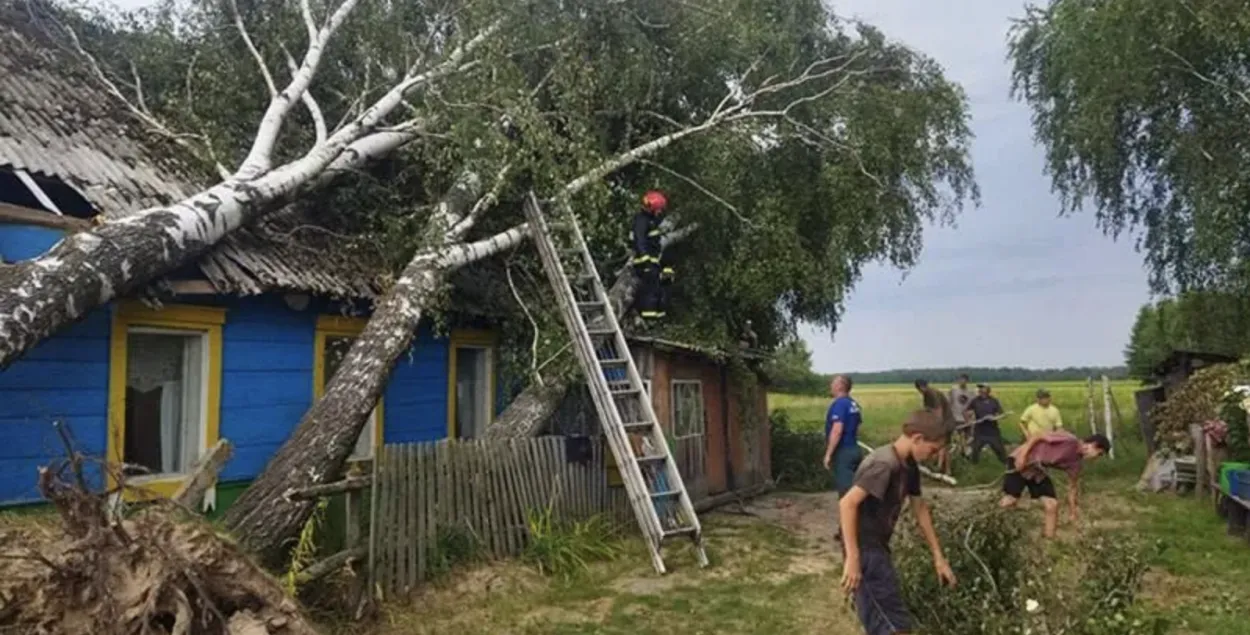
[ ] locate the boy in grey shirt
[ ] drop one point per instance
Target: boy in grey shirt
(869, 511)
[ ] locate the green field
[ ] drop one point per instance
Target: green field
(885, 406)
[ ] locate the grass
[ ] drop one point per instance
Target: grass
(1198, 580)
(777, 572)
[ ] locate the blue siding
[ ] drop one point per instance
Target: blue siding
(415, 402)
(64, 378)
(266, 386)
(23, 242)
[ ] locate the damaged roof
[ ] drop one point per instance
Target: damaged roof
(58, 122)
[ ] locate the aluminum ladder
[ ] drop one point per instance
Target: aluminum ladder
(653, 483)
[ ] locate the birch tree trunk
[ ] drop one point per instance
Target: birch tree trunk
(265, 516)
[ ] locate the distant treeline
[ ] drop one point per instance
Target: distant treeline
(990, 375)
(791, 371)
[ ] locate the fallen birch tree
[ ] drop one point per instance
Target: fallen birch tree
(91, 268)
(266, 515)
(840, 144)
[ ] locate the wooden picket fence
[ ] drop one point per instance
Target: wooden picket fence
(426, 494)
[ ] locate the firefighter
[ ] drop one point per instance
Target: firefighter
(654, 276)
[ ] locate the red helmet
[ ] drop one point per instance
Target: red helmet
(654, 201)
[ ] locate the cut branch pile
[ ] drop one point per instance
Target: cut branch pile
(157, 571)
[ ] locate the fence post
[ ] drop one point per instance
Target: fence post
(1089, 403)
(1106, 413)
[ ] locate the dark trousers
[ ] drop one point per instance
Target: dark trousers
(652, 292)
(992, 438)
(879, 600)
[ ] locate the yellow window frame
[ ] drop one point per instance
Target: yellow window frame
(203, 319)
(339, 326)
(469, 338)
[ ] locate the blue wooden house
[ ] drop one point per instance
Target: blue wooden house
(238, 345)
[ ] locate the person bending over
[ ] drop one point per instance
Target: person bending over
(1029, 465)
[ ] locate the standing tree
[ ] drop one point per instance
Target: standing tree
(799, 149)
(1142, 107)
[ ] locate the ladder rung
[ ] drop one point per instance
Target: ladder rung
(625, 391)
(666, 493)
(636, 424)
(680, 531)
(589, 304)
(613, 362)
(652, 457)
(600, 332)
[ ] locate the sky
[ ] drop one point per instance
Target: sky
(1013, 283)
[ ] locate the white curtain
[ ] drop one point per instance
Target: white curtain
(171, 418)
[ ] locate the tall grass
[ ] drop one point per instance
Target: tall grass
(566, 549)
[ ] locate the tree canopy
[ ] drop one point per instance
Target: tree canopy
(1142, 107)
(788, 209)
(1206, 322)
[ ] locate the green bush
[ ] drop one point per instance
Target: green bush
(1010, 585)
(797, 456)
(1233, 414)
(566, 549)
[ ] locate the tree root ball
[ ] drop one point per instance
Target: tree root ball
(160, 571)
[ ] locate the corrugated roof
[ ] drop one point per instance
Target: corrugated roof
(57, 122)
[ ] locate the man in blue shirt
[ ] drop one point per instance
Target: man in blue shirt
(842, 453)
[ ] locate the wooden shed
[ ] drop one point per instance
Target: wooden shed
(715, 416)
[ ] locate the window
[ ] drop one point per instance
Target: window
(164, 392)
(471, 384)
(335, 336)
(687, 397)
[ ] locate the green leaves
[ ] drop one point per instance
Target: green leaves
(1142, 107)
(789, 207)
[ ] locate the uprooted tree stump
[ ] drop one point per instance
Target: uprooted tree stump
(160, 570)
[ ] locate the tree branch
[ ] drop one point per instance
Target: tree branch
(140, 112)
(260, 157)
(251, 48)
(516, 295)
(310, 102)
(1193, 70)
(487, 201)
(712, 195)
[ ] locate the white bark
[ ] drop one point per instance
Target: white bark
(259, 158)
(91, 268)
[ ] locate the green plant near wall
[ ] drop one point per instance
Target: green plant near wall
(750, 390)
(1233, 413)
(797, 456)
(566, 550)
